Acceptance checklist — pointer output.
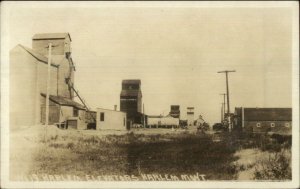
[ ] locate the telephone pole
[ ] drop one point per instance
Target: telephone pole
(144, 119)
(50, 46)
(227, 87)
(222, 117)
(48, 84)
(227, 92)
(223, 105)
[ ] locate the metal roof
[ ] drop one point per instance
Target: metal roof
(131, 81)
(38, 56)
(267, 114)
(51, 36)
(64, 101)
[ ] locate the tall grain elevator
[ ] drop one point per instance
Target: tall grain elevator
(61, 54)
(131, 101)
(175, 111)
(29, 73)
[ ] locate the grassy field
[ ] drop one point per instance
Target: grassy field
(84, 153)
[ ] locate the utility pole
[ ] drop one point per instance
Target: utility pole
(227, 91)
(222, 112)
(223, 104)
(48, 84)
(144, 121)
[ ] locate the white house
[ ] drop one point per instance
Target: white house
(110, 119)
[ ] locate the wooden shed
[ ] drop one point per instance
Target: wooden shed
(263, 120)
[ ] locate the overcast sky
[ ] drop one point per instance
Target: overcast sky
(175, 51)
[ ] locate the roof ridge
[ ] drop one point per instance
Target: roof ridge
(31, 52)
(57, 35)
(64, 101)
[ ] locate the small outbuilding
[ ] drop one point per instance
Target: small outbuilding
(110, 119)
(64, 112)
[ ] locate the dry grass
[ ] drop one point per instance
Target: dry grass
(156, 151)
(81, 153)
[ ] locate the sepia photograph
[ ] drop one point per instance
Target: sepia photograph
(150, 94)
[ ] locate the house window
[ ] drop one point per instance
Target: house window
(75, 112)
(257, 124)
(102, 116)
(287, 125)
(272, 124)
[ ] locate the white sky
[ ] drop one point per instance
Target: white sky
(176, 52)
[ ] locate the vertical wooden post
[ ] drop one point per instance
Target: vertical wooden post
(223, 106)
(243, 123)
(48, 84)
(227, 93)
(222, 113)
(144, 121)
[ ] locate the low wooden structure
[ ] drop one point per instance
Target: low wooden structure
(263, 120)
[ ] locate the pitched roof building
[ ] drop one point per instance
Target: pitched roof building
(267, 114)
(262, 120)
(28, 80)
